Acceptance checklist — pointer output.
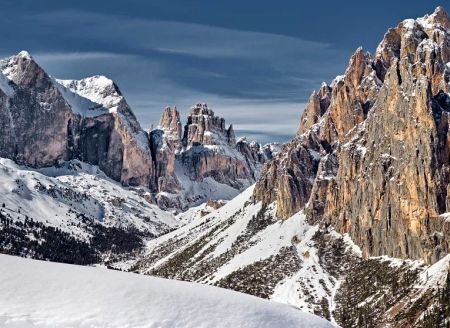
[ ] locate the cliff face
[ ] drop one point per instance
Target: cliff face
(210, 149)
(34, 117)
(393, 175)
(165, 142)
(381, 132)
(105, 131)
(329, 116)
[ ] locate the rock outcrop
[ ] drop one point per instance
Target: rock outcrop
(372, 156)
(210, 149)
(391, 186)
(165, 143)
(34, 117)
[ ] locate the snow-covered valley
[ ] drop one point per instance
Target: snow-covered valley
(93, 217)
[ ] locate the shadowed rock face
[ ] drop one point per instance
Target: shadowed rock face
(165, 142)
(34, 118)
(382, 134)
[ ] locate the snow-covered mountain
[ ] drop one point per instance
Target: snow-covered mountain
(369, 166)
(74, 158)
(44, 121)
(99, 91)
(243, 246)
(40, 294)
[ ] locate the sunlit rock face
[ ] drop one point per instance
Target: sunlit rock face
(371, 157)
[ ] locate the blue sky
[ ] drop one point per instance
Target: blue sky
(254, 62)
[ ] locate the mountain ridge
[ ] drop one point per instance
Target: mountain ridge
(90, 120)
(405, 82)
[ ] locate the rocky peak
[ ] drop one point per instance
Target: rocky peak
(439, 18)
(256, 153)
(47, 120)
(204, 128)
(358, 68)
(231, 137)
(100, 90)
(170, 120)
(318, 103)
(23, 71)
(209, 163)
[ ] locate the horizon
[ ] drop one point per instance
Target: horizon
(257, 76)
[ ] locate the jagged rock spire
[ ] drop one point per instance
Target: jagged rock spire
(231, 137)
(170, 123)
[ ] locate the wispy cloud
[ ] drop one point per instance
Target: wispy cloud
(77, 56)
(178, 37)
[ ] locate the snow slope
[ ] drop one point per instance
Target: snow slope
(43, 294)
(91, 96)
(244, 247)
(74, 213)
(57, 195)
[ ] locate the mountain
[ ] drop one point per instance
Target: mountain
(203, 162)
(244, 247)
(371, 154)
(349, 220)
(83, 183)
(74, 213)
(40, 294)
(45, 121)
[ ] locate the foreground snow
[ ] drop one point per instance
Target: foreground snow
(43, 294)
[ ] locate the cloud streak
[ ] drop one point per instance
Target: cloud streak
(50, 57)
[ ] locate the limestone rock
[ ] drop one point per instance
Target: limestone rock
(170, 123)
(381, 136)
